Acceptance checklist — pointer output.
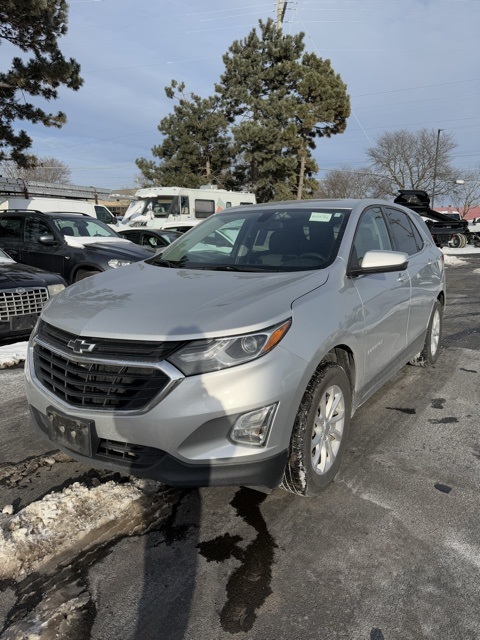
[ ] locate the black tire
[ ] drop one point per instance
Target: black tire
(85, 273)
(310, 469)
(455, 241)
(431, 349)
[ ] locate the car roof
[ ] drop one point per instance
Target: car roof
(331, 203)
(46, 213)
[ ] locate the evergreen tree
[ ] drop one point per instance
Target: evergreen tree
(34, 27)
(278, 100)
(196, 148)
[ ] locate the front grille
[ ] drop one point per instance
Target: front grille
(111, 348)
(97, 385)
(13, 303)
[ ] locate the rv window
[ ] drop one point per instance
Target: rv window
(204, 208)
(228, 205)
(246, 202)
(185, 209)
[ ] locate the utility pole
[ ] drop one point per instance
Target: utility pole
(281, 13)
(432, 201)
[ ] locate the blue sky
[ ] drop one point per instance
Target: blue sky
(408, 64)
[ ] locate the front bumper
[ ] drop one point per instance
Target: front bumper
(148, 462)
(184, 439)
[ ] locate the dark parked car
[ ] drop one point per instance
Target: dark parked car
(23, 292)
(73, 245)
(154, 238)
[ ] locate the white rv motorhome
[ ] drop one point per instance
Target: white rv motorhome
(157, 206)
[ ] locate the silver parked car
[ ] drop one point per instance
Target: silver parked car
(238, 354)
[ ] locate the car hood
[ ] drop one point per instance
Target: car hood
(21, 275)
(143, 301)
(116, 247)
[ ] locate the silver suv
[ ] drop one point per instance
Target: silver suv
(238, 355)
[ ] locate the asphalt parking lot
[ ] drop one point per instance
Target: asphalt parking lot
(389, 552)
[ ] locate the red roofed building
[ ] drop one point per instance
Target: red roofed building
(473, 212)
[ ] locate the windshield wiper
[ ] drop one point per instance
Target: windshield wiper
(161, 262)
(225, 267)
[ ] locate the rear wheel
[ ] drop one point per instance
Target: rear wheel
(319, 432)
(85, 273)
(431, 349)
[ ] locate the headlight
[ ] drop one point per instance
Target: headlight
(119, 263)
(53, 289)
(202, 356)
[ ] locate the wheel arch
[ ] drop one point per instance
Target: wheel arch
(84, 267)
(344, 357)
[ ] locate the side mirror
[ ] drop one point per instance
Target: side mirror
(47, 238)
(381, 262)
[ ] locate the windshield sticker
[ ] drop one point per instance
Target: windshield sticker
(316, 216)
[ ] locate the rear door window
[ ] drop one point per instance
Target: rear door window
(405, 235)
(10, 228)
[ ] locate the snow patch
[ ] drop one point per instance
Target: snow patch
(454, 261)
(12, 354)
(80, 241)
(62, 524)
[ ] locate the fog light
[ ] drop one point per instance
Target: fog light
(253, 427)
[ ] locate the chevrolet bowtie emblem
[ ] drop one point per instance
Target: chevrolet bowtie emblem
(81, 346)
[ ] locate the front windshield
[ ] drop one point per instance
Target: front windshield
(269, 239)
(83, 227)
(160, 206)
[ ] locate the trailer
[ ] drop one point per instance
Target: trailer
(442, 227)
(155, 206)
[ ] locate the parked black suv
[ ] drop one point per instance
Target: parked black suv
(73, 245)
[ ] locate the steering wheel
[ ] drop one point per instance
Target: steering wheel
(312, 256)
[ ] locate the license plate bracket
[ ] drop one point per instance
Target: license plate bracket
(76, 434)
(23, 323)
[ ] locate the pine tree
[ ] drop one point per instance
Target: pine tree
(34, 27)
(278, 100)
(196, 148)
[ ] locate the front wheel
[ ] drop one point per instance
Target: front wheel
(319, 433)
